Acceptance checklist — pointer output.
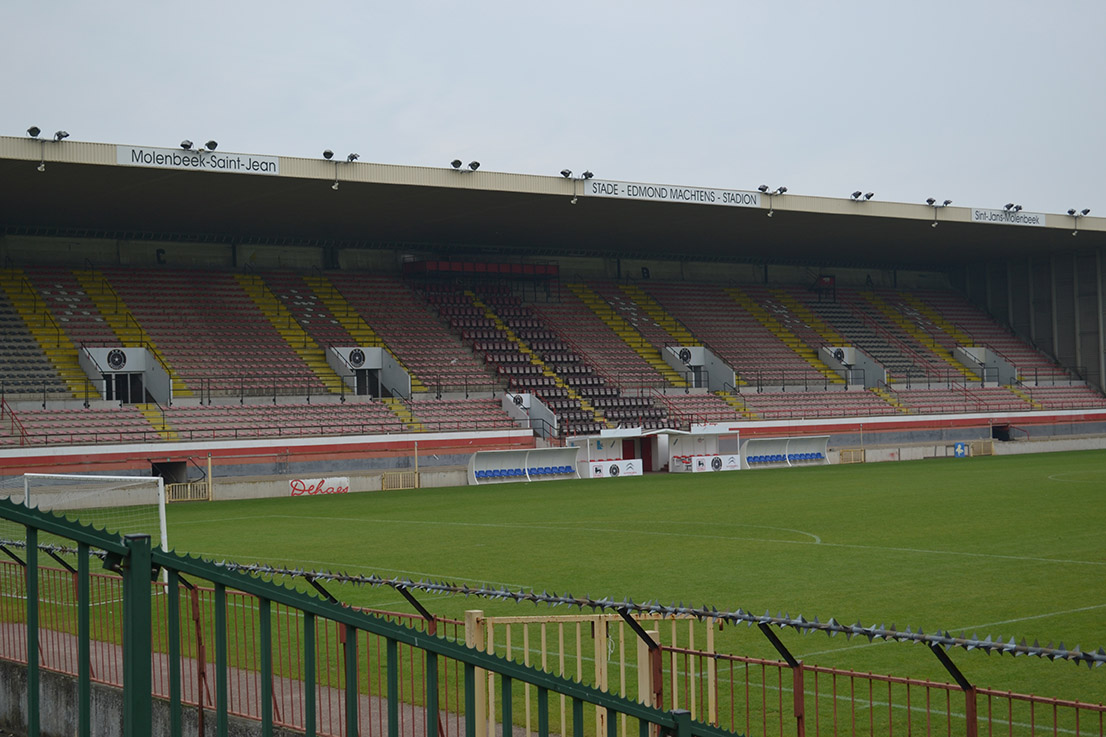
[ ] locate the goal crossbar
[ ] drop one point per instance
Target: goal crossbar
(120, 482)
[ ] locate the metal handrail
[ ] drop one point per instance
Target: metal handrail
(133, 558)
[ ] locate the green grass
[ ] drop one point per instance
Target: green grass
(1006, 546)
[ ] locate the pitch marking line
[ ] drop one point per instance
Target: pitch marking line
(732, 538)
(1060, 477)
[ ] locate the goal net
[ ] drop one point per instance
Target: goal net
(121, 505)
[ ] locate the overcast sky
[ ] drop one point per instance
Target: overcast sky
(981, 102)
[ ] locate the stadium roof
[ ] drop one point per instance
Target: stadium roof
(121, 191)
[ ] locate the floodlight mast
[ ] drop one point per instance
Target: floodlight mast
(772, 194)
(567, 174)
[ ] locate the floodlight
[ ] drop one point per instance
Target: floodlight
(856, 194)
(33, 131)
(334, 186)
(1076, 215)
(456, 163)
(946, 203)
(211, 145)
(1017, 208)
(588, 175)
(779, 190)
(869, 195)
(59, 135)
(186, 144)
(930, 201)
(566, 173)
(1008, 206)
(474, 165)
(353, 157)
(328, 154)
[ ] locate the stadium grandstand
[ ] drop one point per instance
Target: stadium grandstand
(162, 308)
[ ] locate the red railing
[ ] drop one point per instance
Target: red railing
(15, 427)
(754, 696)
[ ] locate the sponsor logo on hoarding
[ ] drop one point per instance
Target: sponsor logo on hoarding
(314, 487)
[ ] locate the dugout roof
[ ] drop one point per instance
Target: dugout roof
(117, 191)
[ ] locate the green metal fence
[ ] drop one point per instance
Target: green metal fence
(139, 566)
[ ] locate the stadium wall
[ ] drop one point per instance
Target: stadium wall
(60, 691)
(278, 457)
(1056, 302)
(252, 468)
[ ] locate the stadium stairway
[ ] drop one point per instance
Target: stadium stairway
(71, 306)
(938, 319)
(665, 320)
(23, 365)
(920, 336)
(863, 334)
(54, 342)
(786, 336)
(1032, 364)
(294, 335)
(659, 315)
(536, 360)
(739, 404)
(404, 413)
(413, 332)
(891, 399)
(629, 335)
(156, 418)
(1024, 395)
(123, 323)
(346, 315)
(817, 325)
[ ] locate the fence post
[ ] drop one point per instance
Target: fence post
(137, 601)
(645, 669)
(599, 638)
(799, 689)
(474, 638)
(683, 722)
(971, 726)
(796, 667)
(971, 719)
(712, 675)
(31, 572)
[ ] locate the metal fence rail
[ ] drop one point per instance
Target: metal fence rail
(743, 694)
(758, 696)
(385, 673)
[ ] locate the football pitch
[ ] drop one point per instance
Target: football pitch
(1000, 546)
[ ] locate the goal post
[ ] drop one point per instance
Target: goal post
(118, 504)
